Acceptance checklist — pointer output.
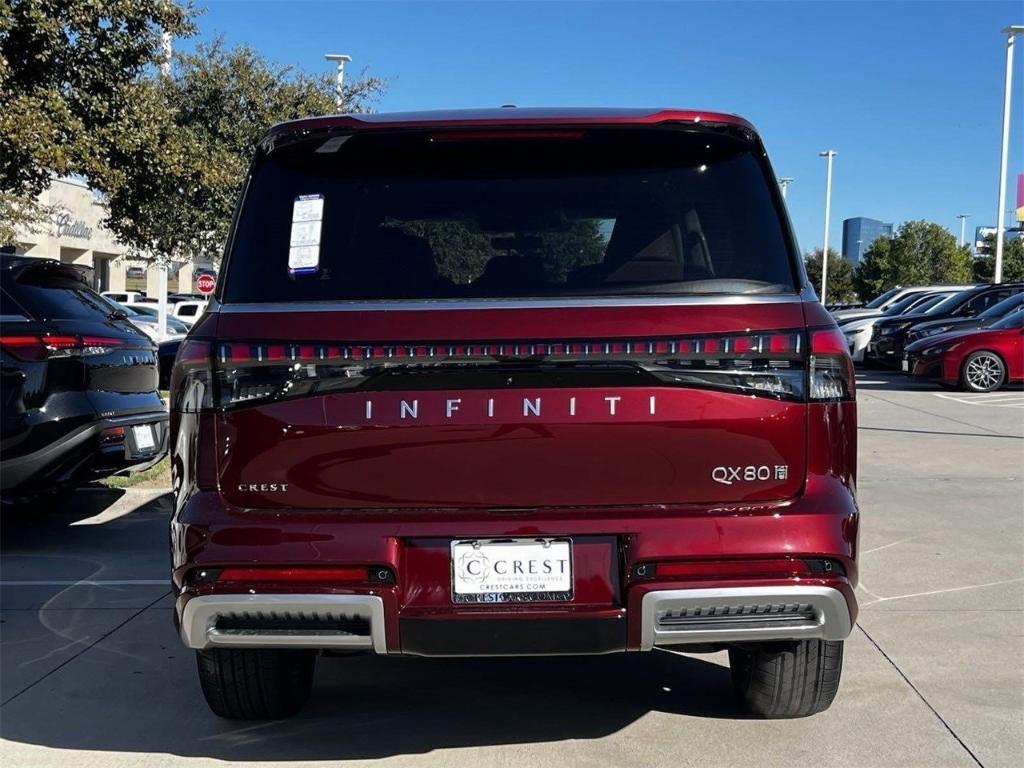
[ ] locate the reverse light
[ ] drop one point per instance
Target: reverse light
(192, 378)
(830, 368)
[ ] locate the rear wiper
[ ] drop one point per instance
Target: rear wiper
(118, 314)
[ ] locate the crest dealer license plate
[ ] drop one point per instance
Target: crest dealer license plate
(511, 570)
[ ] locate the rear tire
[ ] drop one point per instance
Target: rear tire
(787, 679)
(257, 684)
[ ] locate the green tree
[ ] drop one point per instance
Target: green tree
(840, 285)
(69, 72)
(1013, 261)
(920, 253)
(173, 192)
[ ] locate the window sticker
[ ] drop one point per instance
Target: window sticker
(304, 243)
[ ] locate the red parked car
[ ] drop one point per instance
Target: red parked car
(514, 382)
(981, 360)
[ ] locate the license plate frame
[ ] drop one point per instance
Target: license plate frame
(519, 587)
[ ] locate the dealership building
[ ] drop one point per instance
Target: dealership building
(74, 234)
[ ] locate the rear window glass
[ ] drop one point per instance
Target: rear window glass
(411, 216)
(57, 293)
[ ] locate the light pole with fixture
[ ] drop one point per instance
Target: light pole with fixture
(829, 154)
(1011, 33)
(340, 59)
(963, 225)
(784, 185)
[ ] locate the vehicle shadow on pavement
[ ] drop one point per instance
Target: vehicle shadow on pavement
(365, 707)
(99, 666)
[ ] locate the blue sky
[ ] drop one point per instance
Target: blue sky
(909, 94)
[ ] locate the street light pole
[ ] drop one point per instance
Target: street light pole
(829, 154)
(340, 60)
(784, 185)
(1011, 33)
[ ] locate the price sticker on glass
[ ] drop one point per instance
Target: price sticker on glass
(304, 243)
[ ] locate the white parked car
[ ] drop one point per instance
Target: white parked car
(858, 332)
(189, 311)
(891, 298)
(145, 316)
(124, 297)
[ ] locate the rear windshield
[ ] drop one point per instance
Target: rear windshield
(413, 216)
(57, 293)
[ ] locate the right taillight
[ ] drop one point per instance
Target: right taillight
(830, 368)
(192, 378)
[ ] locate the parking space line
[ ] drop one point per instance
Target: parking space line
(920, 695)
(942, 591)
(1016, 400)
(90, 646)
(939, 415)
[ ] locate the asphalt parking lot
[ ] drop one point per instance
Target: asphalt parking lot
(93, 674)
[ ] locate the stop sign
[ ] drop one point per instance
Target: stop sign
(206, 283)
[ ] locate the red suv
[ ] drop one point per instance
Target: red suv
(513, 382)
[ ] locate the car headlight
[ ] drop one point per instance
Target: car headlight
(934, 331)
(889, 330)
(939, 349)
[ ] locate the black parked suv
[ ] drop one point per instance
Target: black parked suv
(889, 337)
(79, 382)
(984, 319)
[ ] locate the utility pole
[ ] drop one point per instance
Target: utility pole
(829, 154)
(340, 59)
(1011, 33)
(784, 185)
(963, 226)
(161, 307)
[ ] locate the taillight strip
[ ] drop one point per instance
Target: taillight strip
(747, 345)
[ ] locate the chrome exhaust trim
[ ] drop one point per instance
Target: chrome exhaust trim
(742, 614)
(201, 616)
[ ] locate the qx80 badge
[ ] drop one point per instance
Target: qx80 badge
(750, 473)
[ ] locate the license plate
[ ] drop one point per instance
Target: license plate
(143, 434)
(511, 570)
(906, 365)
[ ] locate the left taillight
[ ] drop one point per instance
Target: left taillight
(37, 347)
(192, 378)
(830, 367)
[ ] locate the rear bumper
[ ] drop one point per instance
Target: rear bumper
(671, 617)
(80, 456)
(612, 608)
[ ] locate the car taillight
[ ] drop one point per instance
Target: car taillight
(765, 363)
(37, 347)
(830, 368)
(192, 378)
